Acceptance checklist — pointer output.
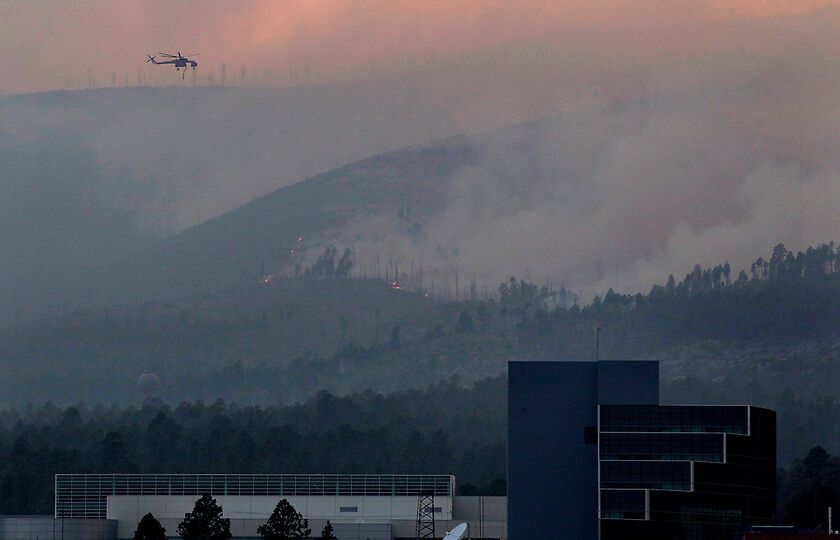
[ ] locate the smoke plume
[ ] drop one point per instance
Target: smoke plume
(664, 133)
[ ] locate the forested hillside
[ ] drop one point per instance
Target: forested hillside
(91, 177)
(721, 339)
(765, 331)
(784, 299)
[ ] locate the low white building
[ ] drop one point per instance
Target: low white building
(375, 507)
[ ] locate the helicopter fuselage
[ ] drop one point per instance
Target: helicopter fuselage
(185, 62)
(178, 61)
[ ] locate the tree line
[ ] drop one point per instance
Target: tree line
(784, 299)
(444, 429)
(206, 522)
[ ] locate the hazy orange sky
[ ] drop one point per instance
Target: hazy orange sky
(52, 45)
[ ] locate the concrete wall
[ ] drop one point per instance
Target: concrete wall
(552, 470)
(485, 516)
(49, 528)
(359, 531)
(482, 514)
(408, 529)
(248, 512)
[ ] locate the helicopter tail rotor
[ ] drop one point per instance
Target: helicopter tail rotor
(151, 59)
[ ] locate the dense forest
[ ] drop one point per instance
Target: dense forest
(443, 429)
(424, 375)
(282, 340)
(784, 299)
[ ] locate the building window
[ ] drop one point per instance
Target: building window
(662, 446)
(675, 418)
(646, 475)
(348, 509)
(622, 504)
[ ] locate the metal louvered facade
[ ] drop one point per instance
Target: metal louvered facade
(86, 495)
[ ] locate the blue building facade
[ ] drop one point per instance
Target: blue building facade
(553, 440)
(592, 454)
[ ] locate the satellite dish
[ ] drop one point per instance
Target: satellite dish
(457, 533)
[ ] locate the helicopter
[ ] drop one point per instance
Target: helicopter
(178, 60)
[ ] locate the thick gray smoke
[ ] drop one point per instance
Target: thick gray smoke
(716, 158)
(90, 177)
(655, 149)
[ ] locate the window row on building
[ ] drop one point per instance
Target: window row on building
(646, 475)
(85, 495)
(662, 446)
(679, 418)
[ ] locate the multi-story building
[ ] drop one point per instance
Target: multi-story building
(593, 453)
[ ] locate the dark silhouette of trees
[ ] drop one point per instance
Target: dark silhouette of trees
(484, 316)
(326, 265)
(114, 454)
(445, 428)
(809, 488)
(671, 286)
(149, 528)
(518, 297)
(788, 297)
(394, 340)
(345, 264)
(465, 324)
(205, 522)
(327, 532)
(284, 523)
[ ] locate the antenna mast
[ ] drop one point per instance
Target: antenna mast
(426, 515)
(597, 343)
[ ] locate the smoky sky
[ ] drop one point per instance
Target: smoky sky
(717, 156)
(669, 133)
(80, 43)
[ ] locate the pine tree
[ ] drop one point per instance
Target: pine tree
(394, 341)
(285, 522)
(205, 522)
(149, 528)
(465, 323)
(327, 532)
